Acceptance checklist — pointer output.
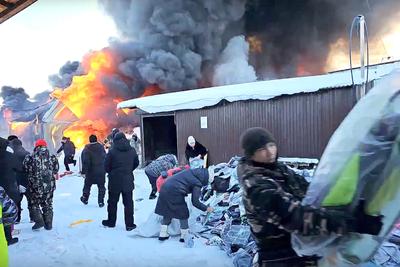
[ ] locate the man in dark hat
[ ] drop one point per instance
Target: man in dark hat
(93, 156)
(69, 152)
(272, 195)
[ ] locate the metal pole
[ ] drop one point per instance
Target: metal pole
(361, 24)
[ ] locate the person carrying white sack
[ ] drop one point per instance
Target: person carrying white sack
(171, 201)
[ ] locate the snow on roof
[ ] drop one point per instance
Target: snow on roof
(263, 90)
(299, 160)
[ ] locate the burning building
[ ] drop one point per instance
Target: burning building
(174, 45)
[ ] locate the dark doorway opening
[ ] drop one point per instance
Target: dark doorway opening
(159, 136)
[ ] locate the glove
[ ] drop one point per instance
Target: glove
(22, 189)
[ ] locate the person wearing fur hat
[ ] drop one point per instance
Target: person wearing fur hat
(194, 149)
(171, 201)
(272, 195)
(42, 169)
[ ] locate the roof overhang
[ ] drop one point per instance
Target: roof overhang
(9, 8)
(261, 90)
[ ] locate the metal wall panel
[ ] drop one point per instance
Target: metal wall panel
(301, 123)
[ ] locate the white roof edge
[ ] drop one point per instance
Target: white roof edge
(261, 90)
(299, 160)
(50, 111)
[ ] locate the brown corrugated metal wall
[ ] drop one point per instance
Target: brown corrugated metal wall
(302, 123)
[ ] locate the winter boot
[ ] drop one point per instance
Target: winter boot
(85, 199)
(38, 218)
(101, 204)
(8, 235)
(108, 224)
(31, 220)
(48, 221)
(131, 227)
(153, 195)
(163, 233)
(184, 234)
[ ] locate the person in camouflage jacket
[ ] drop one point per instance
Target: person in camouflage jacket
(8, 217)
(9, 209)
(272, 195)
(41, 168)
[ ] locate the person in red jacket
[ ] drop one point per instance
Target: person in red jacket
(164, 175)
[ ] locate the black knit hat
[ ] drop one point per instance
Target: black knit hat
(92, 138)
(255, 138)
(119, 136)
(12, 137)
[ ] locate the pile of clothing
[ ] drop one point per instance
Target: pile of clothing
(227, 226)
(388, 254)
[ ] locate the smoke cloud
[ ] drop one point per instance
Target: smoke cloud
(64, 77)
(169, 43)
(297, 34)
(22, 107)
(233, 66)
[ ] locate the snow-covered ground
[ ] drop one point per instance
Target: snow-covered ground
(90, 244)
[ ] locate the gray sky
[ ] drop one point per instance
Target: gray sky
(41, 38)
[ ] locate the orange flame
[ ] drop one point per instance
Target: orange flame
(7, 114)
(87, 90)
(255, 44)
(382, 48)
(19, 128)
(91, 102)
(79, 132)
(88, 99)
(151, 90)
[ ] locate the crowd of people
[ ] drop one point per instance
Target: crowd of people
(272, 193)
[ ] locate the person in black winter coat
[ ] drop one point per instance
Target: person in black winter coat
(171, 201)
(194, 149)
(22, 177)
(120, 163)
(109, 140)
(8, 169)
(93, 156)
(69, 152)
(8, 180)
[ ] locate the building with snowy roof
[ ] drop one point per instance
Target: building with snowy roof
(301, 112)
